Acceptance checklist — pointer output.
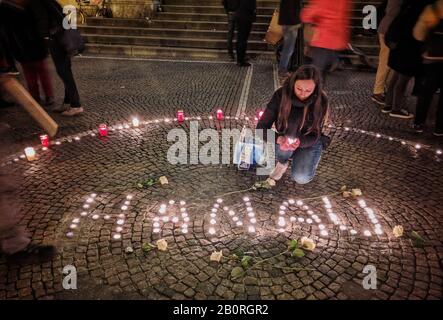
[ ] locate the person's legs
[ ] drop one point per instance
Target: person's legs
(62, 64)
(399, 110)
(231, 31)
(390, 92)
(383, 69)
(30, 71)
(281, 166)
(438, 131)
(45, 80)
(323, 59)
(243, 30)
(426, 95)
(289, 38)
(305, 162)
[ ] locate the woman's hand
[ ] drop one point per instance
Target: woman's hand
(288, 144)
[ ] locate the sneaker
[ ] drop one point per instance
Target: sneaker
(278, 171)
(418, 128)
(61, 108)
(9, 71)
(72, 112)
(386, 109)
(438, 132)
(33, 254)
(243, 64)
(379, 99)
(402, 114)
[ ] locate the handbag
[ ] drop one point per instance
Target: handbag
(72, 41)
(248, 152)
(434, 45)
(275, 31)
(69, 39)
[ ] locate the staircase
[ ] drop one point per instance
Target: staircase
(196, 29)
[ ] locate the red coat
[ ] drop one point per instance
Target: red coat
(331, 20)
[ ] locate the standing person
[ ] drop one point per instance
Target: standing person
(404, 57)
(230, 8)
(429, 29)
(392, 10)
(331, 30)
(289, 19)
(49, 16)
(30, 49)
(299, 111)
(245, 16)
(15, 241)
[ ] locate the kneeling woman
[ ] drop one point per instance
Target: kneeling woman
(299, 111)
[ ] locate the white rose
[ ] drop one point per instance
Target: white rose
(307, 244)
(397, 231)
(216, 256)
(163, 180)
(129, 250)
(162, 245)
(356, 192)
(271, 182)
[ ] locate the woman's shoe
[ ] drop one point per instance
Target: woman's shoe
(278, 171)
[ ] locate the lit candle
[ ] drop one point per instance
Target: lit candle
(135, 122)
(180, 116)
(30, 154)
(219, 114)
(44, 140)
(103, 130)
(260, 114)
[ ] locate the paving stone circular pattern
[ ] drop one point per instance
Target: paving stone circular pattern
(82, 186)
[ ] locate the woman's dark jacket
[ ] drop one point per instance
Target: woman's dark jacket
(270, 116)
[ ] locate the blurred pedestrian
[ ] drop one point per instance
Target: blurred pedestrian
(245, 16)
(429, 30)
(392, 10)
(230, 7)
(289, 19)
(29, 48)
(330, 20)
(405, 57)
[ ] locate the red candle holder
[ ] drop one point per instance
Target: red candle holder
(180, 116)
(220, 115)
(44, 140)
(103, 130)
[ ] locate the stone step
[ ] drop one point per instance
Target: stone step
(162, 32)
(207, 9)
(355, 21)
(154, 30)
(174, 24)
(168, 52)
(218, 9)
(203, 17)
(207, 43)
(260, 3)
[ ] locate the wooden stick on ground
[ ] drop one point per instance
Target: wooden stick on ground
(21, 96)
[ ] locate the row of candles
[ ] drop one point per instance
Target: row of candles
(166, 210)
(103, 130)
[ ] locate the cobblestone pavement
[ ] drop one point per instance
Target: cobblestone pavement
(401, 186)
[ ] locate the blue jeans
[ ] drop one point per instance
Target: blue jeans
(304, 161)
(289, 38)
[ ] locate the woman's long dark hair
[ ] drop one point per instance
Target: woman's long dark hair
(317, 107)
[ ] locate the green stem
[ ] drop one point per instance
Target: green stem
(234, 192)
(294, 269)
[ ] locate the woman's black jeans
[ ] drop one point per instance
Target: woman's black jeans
(62, 64)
